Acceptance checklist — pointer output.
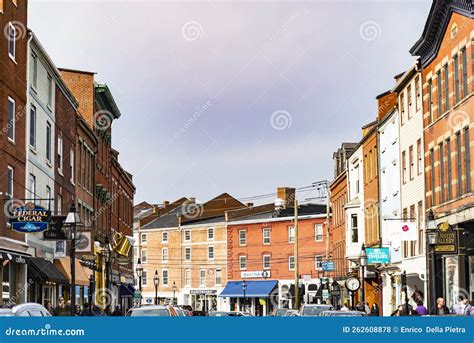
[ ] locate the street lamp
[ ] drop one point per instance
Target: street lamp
(107, 252)
(363, 264)
(139, 270)
(72, 222)
(432, 240)
(244, 290)
(174, 293)
(91, 292)
(156, 282)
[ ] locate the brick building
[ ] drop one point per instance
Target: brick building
(446, 52)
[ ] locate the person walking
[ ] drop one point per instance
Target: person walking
(462, 307)
(441, 308)
(375, 310)
(421, 309)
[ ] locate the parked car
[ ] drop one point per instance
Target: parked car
(343, 314)
(187, 308)
(199, 313)
(179, 312)
(25, 310)
(153, 311)
(228, 314)
(280, 312)
(312, 310)
(292, 313)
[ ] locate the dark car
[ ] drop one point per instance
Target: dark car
(312, 310)
(25, 310)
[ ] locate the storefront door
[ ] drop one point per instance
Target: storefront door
(47, 296)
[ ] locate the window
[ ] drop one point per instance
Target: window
(34, 67)
(187, 254)
(143, 238)
(459, 162)
(266, 235)
(210, 234)
(210, 252)
(318, 232)
(242, 237)
(50, 91)
(218, 277)
(404, 167)
(164, 237)
(464, 72)
(48, 194)
(187, 277)
(440, 94)
(432, 159)
(291, 234)
(441, 172)
(402, 109)
(456, 78)
(48, 141)
(187, 235)
(165, 277)
(291, 263)
(446, 88)
(202, 278)
(409, 101)
(164, 255)
(10, 182)
(59, 204)
(354, 229)
(33, 126)
(71, 165)
(243, 262)
(430, 99)
(11, 119)
(448, 168)
(267, 261)
(144, 278)
(467, 159)
(412, 243)
(417, 93)
(11, 41)
(318, 262)
(60, 154)
(412, 162)
(419, 157)
(32, 187)
(144, 256)
(420, 221)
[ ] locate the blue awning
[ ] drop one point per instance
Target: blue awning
(255, 289)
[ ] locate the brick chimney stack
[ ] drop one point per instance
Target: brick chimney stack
(287, 194)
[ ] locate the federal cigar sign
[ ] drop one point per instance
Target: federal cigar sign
(30, 218)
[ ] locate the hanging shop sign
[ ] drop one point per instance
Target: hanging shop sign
(255, 274)
(55, 231)
(447, 240)
(203, 291)
(30, 218)
(84, 242)
(378, 255)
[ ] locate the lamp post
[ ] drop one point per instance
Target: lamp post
(363, 264)
(91, 292)
(72, 222)
(174, 293)
(106, 252)
(405, 289)
(244, 290)
(156, 282)
(139, 270)
(432, 240)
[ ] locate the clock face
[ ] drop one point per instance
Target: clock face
(352, 284)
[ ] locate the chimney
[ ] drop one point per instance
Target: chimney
(386, 101)
(287, 194)
(165, 204)
(192, 200)
(249, 204)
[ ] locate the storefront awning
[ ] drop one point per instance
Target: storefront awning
(255, 289)
(127, 290)
(42, 270)
(82, 275)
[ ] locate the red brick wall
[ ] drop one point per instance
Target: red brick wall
(81, 85)
(338, 191)
(371, 188)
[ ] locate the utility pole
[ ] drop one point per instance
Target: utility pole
(297, 291)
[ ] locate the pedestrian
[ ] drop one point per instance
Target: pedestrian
(366, 308)
(421, 309)
(50, 308)
(117, 312)
(78, 311)
(61, 307)
(462, 307)
(359, 307)
(441, 309)
(375, 311)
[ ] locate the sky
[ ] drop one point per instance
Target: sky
(233, 96)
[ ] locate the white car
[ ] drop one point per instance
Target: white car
(25, 310)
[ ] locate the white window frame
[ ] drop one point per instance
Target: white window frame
(187, 278)
(60, 154)
(316, 227)
(144, 257)
(269, 261)
(291, 234)
(163, 235)
(244, 243)
(266, 229)
(143, 238)
(10, 180)
(202, 279)
(12, 122)
(218, 279)
(190, 254)
(34, 82)
(210, 234)
(144, 278)
(32, 130)
(243, 258)
(291, 260)
(49, 132)
(209, 249)
(12, 28)
(318, 263)
(71, 165)
(163, 278)
(187, 232)
(165, 257)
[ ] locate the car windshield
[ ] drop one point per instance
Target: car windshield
(156, 312)
(280, 312)
(313, 310)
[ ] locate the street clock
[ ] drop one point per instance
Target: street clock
(353, 284)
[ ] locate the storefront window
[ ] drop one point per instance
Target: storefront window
(451, 267)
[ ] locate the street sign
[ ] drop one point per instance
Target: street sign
(327, 265)
(378, 255)
(325, 294)
(255, 274)
(137, 294)
(447, 240)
